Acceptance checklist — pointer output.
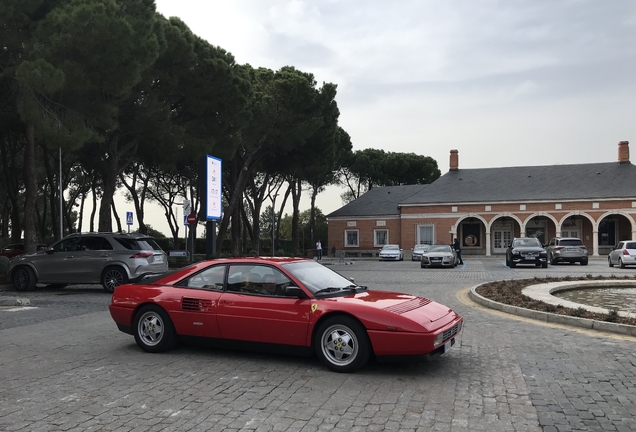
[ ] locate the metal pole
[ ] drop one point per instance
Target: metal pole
(61, 198)
(273, 224)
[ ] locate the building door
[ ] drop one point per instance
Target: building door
(501, 240)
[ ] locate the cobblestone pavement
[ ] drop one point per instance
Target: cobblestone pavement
(65, 367)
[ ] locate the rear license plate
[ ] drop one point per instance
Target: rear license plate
(158, 259)
(571, 249)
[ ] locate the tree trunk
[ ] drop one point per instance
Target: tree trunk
(31, 190)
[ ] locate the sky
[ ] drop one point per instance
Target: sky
(506, 83)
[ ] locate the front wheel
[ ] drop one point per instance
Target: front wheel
(24, 278)
(112, 278)
(153, 329)
(609, 261)
(342, 344)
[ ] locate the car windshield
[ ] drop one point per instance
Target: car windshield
(527, 242)
(439, 248)
(316, 277)
(390, 247)
(421, 247)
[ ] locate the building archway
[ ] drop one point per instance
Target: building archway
(501, 230)
(613, 227)
(472, 234)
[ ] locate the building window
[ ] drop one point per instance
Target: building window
(351, 238)
(380, 238)
(425, 234)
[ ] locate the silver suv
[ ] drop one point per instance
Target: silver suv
(566, 249)
(109, 259)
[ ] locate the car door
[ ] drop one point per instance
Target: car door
(198, 295)
(250, 311)
(60, 264)
(95, 253)
(615, 253)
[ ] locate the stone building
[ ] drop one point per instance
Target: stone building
(487, 207)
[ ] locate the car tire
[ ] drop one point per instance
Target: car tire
(609, 261)
(24, 279)
(583, 262)
(342, 344)
(153, 329)
(512, 264)
(621, 264)
(112, 277)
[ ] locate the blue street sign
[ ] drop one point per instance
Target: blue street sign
(129, 218)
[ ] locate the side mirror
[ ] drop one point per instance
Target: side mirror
(294, 291)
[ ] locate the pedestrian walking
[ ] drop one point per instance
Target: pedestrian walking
(319, 249)
(458, 250)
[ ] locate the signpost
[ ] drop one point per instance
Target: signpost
(129, 220)
(191, 219)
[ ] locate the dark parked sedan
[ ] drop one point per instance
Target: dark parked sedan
(527, 250)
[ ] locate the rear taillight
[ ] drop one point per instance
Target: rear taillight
(142, 255)
(559, 248)
(582, 247)
(625, 252)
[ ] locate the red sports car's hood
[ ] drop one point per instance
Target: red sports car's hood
(418, 309)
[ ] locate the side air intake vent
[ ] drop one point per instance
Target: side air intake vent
(194, 304)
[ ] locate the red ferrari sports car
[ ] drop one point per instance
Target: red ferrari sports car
(285, 305)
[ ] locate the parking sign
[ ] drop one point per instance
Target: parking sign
(129, 218)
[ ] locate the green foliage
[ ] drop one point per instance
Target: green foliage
(612, 316)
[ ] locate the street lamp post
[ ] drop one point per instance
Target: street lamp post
(273, 221)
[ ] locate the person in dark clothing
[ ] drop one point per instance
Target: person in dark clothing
(458, 250)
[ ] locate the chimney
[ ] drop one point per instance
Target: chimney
(623, 152)
(454, 160)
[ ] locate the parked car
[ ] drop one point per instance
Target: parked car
(623, 254)
(291, 305)
(439, 255)
(391, 252)
(16, 249)
(566, 249)
(418, 250)
(526, 250)
(109, 259)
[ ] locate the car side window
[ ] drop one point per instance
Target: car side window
(96, 243)
(210, 278)
(68, 245)
(257, 279)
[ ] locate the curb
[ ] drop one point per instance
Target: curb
(585, 323)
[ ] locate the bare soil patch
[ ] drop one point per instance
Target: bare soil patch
(509, 292)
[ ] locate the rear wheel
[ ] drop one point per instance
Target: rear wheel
(153, 329)
(621, 264)
(342, 344)
(584, 262)
(24, 278)
(113, 277)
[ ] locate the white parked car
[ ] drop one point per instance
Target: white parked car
(418, 251)
(439, 256)
(391, 252)
(623, 254)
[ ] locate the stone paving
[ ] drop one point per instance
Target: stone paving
(65, 367)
